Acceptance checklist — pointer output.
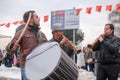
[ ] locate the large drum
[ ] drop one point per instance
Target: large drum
(50, 62)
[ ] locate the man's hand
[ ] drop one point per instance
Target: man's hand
(101, 37)
(11, 47)
(15, 46)
(64, 40)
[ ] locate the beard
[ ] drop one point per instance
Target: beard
(35, 29)
(35, 23)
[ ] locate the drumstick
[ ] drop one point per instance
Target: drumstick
(24, 29)
(16, 43)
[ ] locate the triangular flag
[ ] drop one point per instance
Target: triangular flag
(2, 24)
(21, 22)
(108, 7)
(78, 11)
(46, 18)
(117, 6)
(7, 25)
(98, 8)
(15, 23)
(88, 10)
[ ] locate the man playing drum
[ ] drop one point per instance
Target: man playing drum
(29, 38)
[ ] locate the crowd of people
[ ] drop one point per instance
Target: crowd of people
(8, 60)
(101, 57)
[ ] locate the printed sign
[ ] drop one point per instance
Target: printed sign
(67, 19)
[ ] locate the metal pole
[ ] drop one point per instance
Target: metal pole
(74, 56)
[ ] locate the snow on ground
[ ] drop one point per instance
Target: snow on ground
(12, 73)
(85, 75)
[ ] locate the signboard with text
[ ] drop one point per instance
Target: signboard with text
(67, 18)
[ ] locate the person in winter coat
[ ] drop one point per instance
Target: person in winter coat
(88, 58)
(1, 57)
(42, 39)
(9, 59)
(57, 32)
(108, 60)
(29, 40)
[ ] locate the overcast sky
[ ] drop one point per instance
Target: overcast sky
(91, 24)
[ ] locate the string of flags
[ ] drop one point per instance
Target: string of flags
(78, 10)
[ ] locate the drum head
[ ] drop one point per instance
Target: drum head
(42, 60)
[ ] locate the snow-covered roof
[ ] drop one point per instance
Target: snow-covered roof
(4, 40)
(4, 36)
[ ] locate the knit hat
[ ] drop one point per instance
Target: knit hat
(57, 26)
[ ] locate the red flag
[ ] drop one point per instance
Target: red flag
(46, 18)
(78, 11)
(21, 22)
(16, 22)
(2, 24)
(108, 7)
(88, 10)
(98, 8)
(117, 6)
(7, 25)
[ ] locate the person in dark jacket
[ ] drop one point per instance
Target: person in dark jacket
(8, 60)
(57, 32)
(108, 60)
(1, 57)
(89, 65)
